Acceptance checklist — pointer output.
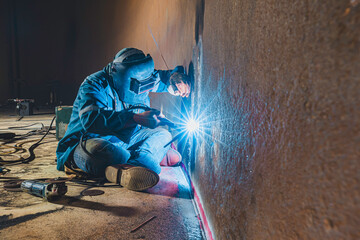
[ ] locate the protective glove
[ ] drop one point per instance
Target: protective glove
(179, 84)
(148, 119)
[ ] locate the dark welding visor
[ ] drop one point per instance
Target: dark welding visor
(143, 85)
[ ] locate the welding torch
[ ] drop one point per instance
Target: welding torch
(169, 123)
(163, 121)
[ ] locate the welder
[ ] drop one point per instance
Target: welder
(113, 132)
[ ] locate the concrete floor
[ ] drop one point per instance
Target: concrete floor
(109, 216)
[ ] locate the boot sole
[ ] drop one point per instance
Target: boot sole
(134, 178)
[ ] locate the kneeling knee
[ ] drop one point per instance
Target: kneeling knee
(164, 134)
(96, 146)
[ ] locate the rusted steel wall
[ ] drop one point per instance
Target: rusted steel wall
(280, 157)
(277, 84)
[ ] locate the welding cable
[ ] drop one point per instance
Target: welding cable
(140, 106)
(18, 146)
(95, 182)
(15, 149)
(26, 126)
(31, 149)
(11, 137)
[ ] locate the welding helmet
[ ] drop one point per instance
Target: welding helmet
(133, 75)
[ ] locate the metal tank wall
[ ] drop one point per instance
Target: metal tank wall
(279, 84)
(276, 84)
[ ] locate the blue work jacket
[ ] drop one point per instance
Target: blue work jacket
(98, 111)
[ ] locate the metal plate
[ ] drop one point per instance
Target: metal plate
(93, 192)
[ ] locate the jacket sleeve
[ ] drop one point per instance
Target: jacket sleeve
(164, 76)
(95, 115)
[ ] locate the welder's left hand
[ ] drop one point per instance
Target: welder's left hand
(179, 85)
(149, 119)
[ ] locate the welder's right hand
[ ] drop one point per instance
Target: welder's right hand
(148, 118)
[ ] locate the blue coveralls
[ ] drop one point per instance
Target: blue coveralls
(98, 112)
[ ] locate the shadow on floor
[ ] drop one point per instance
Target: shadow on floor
(5, 222)
(116, 210)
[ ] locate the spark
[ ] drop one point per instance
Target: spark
(192, 125)
(198, 125)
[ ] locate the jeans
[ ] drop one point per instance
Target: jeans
(145, 149)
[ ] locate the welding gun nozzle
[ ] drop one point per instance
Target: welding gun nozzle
(165, 121)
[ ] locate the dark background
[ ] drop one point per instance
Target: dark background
(51, 46)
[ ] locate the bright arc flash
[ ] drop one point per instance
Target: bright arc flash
(192, 125)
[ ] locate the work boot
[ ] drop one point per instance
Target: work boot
(132, 177)
(172, 158)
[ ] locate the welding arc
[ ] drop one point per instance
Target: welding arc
(31, 149)
(158, 48)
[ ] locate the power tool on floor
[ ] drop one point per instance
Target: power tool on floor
(46, 190)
